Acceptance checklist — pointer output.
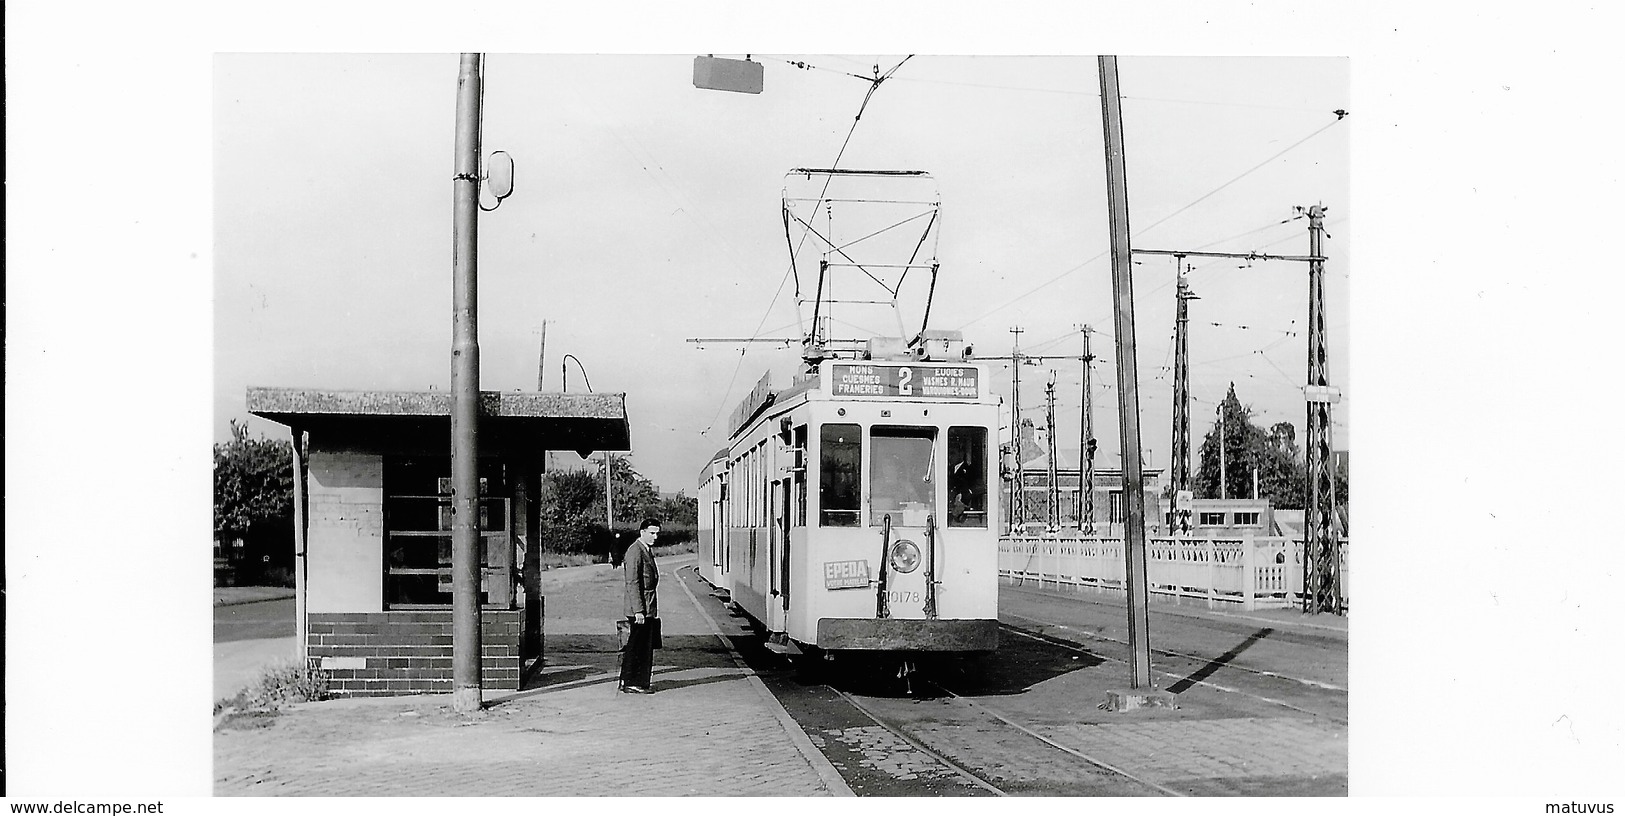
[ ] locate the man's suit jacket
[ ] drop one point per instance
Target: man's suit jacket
(641, 577)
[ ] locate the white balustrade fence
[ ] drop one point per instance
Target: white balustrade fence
(1255, 572)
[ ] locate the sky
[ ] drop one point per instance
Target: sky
(647, 212)
(197, 203)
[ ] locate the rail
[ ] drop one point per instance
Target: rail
(1254, 572)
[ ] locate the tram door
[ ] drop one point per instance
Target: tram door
(903, 489)
(779, 555)
(717, 532)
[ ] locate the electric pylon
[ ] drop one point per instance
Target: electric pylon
(1086, 524)
(1182, 401)
(1321, 590)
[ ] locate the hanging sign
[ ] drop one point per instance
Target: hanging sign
(758, 397)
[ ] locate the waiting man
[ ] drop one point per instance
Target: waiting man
(642, 609)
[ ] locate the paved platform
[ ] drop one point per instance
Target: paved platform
(710, 729)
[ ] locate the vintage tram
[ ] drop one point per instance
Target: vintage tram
(855, 511)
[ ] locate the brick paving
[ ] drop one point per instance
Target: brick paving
(710, 729)
(1180, 749)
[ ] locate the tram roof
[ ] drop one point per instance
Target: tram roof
(510, 422)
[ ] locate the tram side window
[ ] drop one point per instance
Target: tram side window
(840, 463)
(900, 483)
(799, 519)
(967, 477)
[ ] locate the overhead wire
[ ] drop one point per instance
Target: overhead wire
(727, 392)
(1096, 94)
(1244, 174)
(1159, 222)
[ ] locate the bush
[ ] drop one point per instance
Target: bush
(675, 534)
(679, 548)
(575, 537)
(593, 540)
(287, 683)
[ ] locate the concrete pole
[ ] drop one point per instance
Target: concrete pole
(301, 543)
(1224, 493)
(609, 493)
(1139, 617)
(465, 397)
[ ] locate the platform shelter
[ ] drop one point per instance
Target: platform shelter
(372, 526)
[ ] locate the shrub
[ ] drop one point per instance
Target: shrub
(286, 683)
(663, 550)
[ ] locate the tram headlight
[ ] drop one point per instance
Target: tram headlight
(905, 556)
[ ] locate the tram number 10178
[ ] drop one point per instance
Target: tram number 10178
(894, 596)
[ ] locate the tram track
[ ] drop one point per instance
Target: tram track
(1018, 727)
(838, 722)
(973, 778)
(873, 709)
(993, 730)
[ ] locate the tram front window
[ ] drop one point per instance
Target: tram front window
(967, 477)
(901, 473)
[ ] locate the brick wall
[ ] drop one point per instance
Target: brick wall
(388, 653)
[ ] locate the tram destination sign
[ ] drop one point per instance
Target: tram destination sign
(915, 381)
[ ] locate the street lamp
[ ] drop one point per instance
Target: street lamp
(564, 373)
(609, 458)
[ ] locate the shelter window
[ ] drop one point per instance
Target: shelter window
(417, 534)
(840, 464)
(1211, 519)
(1115, 511)
(902, 461)
(967, 477)
(1247, 520)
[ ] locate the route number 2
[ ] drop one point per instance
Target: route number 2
(905, 381)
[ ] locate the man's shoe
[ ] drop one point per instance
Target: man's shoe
(637, 690)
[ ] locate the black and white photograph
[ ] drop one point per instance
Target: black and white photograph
(865, 415)
(781, 305)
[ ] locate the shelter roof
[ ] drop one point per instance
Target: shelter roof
(509, 421)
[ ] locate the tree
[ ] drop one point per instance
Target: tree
(635, 496)
(569, 495)
(1281, 471)
(680, 511)
(1027, 446)
(253, 502)
(573, 506)
(1273, 455)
